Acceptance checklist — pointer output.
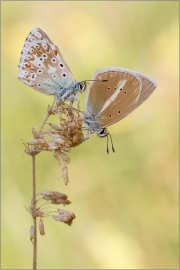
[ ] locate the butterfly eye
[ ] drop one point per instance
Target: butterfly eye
(54, 60)
(61, 65)
(64, 74)
(82, 87)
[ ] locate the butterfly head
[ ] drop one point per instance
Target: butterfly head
(102, 132)
(81, 86)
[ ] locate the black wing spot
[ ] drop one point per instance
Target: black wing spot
(110, 115)
(114, 88)
(119, 111)
(108, 88)
(125, 92)
(64, 74)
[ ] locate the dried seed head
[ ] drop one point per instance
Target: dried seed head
(31, 150)
(65, 216)
(41, 227)
(59, 138)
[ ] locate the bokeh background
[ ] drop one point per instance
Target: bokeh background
(126, 203)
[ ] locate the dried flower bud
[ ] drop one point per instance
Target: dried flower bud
(52, 146)
(35, 133)
(63, 122)
(65, 216)
(65, 157)
(46, 193)
(55, 127)
(60, 201)
(41, 227)
(60, 195)
(32, 233)
(55, 197)
(59, 138)
(57, 156)
(66, 149)
(38, 141)
(65, 174)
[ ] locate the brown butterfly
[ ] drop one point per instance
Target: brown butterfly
(118, 92)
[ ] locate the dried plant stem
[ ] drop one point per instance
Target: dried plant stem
(43, 123)
(34, 217)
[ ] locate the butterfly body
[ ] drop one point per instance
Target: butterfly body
(43, 68)
(118, 92)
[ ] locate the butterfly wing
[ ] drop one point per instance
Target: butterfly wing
(148, 87)
(111, 101)
(42, 66)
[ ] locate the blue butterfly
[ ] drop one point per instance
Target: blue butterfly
(43, 68)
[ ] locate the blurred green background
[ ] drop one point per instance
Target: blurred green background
(126, 203)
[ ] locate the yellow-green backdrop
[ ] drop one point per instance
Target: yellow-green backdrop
(126, 203)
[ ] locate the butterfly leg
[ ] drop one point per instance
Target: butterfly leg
(87, 134)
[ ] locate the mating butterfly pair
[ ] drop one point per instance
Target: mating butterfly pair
(114, 92)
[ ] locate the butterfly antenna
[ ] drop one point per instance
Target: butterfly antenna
(85, 81)
(111, 142)
(107, 144)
